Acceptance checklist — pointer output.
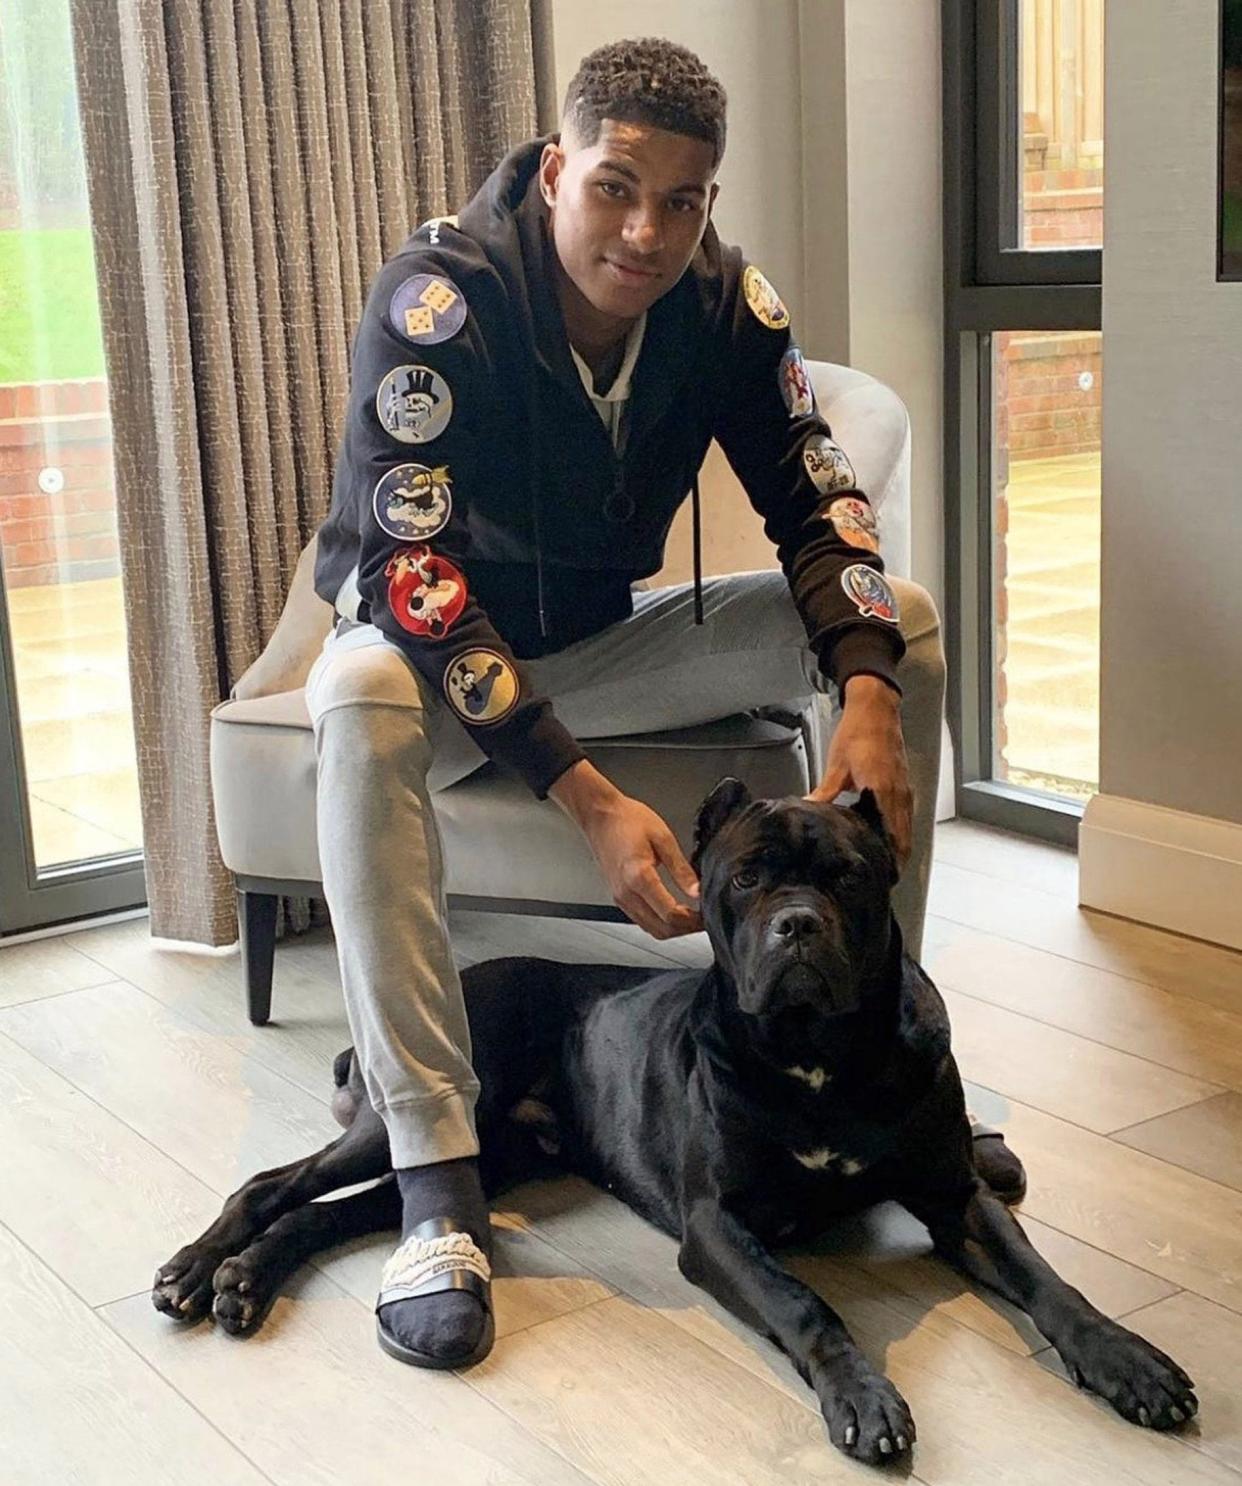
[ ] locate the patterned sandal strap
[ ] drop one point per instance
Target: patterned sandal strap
(434, 1258)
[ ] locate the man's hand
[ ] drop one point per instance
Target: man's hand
(630, 842)
(868, 752)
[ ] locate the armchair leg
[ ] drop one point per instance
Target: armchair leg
(256, 921)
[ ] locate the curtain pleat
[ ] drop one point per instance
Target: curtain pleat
(251, 163)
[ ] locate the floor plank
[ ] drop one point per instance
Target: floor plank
(1060, 1073)
(580, 1383)
(78, 1405)
(313, 1401)
(98, 1203)
(218, 1113)
(1190, 967)
(1008, 858)
(45, 967)
(1164, 1027)
(1165, 1220)
(1206, 1138)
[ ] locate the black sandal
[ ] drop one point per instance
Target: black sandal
(437, 1256)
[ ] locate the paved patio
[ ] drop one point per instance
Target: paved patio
(1052, 664)
(74, 705)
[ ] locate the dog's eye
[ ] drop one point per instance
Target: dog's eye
(744, 880)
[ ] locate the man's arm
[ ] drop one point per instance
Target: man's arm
(631, 843)
(803, 484)
(408, 462)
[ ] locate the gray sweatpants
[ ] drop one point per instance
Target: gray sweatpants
(386, 743)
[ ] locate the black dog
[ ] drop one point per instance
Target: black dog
(805, 1075)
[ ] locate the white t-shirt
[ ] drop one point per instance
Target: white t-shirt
(610, 405)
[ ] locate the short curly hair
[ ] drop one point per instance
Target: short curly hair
(646, 81)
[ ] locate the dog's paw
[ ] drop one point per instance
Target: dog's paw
(1140, 1382)
(239, 1303)
(867, 1418)
(182, 1287)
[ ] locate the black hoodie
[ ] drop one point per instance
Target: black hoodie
(472, 448)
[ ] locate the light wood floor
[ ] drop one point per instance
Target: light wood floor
(134, 1096)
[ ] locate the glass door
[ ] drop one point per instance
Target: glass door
(70, 827)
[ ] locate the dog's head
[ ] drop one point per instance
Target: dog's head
(795, 900)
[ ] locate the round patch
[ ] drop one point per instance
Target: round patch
(765, 303)
(427, 309)
(795, 382)
(412, 502)
(426, 593)
(481, 687)
(826, 463)
(869, 592)
(854, 522)
(414, 404)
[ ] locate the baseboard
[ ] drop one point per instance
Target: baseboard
(1162, 867)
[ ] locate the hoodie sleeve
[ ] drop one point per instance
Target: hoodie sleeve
(414, 448)
(800, 480)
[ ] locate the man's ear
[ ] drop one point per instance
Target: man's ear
(868, 809)
(551, 163)
(728, 797)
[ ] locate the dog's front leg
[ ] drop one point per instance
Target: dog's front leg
(866, 1416)
(978, 1234)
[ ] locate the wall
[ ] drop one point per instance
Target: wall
(831, 182)
(1171, 624)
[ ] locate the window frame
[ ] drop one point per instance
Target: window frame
(988, 288)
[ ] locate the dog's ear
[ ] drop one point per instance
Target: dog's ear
(728, 797)
(868, 808)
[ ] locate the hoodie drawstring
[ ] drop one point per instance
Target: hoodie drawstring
(698, 555)
(532, 409)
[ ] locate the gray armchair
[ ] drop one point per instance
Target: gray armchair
(504, 850)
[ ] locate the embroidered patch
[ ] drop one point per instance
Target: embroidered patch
(432, 228)
(854, 522)
(481, 687)
(795, 383)
(869, 592)
(427, 309)
(426, 593)
(413, 502)
(414, 404)
(765, 303)
(826, 464)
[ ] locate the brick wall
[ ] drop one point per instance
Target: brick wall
(1042, 408)
(69, 534)
(1062, 208)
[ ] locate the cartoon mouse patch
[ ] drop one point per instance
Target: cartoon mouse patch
(426, 593)
(481, 687)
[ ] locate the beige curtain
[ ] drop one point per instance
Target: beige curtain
(251, 164)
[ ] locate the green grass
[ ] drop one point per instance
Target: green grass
(49, 311)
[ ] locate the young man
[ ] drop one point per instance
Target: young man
(535, 385)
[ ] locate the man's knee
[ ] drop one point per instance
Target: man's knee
(371, 675)
(916, 609)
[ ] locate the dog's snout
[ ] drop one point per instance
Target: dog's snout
(796, 924)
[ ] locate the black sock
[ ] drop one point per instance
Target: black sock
(449, 1324)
